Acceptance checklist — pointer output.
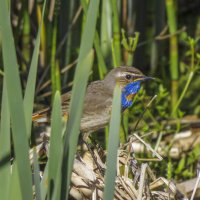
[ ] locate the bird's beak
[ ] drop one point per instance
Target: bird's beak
(144, 78)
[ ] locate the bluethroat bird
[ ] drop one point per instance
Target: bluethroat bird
(98, 98)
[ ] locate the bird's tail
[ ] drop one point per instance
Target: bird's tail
(41, 116)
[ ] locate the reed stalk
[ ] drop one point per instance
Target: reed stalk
(101, 63)
(193, 68)
(15, 102)
(85, 61)
(173, 51)
(106, 32)
(111, 160)
(42, 36)
(5, 150)
(68, 51)
(55, 71)
(116, 43)
(26, 40)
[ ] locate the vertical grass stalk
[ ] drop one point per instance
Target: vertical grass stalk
(43, 37)
(55, 152)
(171, 16)
(31, 81)
(116, 43)
(111, 160)
(68, 50)
(85, 61)
(101, 63)
(15, 101)
(129, 45)
(190, 77)
(5, 146)
(26, 40)
(55, 72)
(106, 32)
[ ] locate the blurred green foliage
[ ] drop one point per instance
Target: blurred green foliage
(150, 35)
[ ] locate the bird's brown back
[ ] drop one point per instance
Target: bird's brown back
(98, 98)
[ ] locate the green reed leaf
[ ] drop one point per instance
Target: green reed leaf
(5, 173)
(111, 160)
(13, 85)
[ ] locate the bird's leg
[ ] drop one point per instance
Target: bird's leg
(88, 146)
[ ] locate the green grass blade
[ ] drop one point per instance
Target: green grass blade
(85, 61)
(30, 87)
(55, 152)
(36, 176)
(19, 131)
(26, 39)
(116, 48)
(100, 59)
(101, 63)
(55, 72)
(111, 160)
(5, 173)
(71, 138)
(15, 192)
(44, 182)
(173, 51)
(106, 21)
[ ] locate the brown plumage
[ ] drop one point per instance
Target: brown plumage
(98, 99)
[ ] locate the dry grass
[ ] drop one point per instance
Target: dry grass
(134, 179)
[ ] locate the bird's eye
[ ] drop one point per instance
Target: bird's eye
(128, 76)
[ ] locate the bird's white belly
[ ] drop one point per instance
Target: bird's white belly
(94, 122)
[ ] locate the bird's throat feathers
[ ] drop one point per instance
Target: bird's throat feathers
(128, 93)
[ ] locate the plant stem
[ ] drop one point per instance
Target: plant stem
(55, 73)
(116, 48)
(101, 63)
(171, 15)
(42, 36)
(26, 40)
(183, 93)
(191, 74)
(68, 51)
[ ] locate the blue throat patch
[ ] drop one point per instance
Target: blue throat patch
(129, 89)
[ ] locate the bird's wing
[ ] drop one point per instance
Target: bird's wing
(97, 98)
(43, 115)
(97, 107)
(97, 101)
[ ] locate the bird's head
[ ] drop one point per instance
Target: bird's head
(129, 80)
(123, 76)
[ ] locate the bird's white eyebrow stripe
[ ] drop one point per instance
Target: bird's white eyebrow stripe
(130, 73)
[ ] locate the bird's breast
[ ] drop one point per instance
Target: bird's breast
(130, 97)
(128, 93)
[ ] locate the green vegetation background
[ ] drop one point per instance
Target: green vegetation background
(46, 49)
